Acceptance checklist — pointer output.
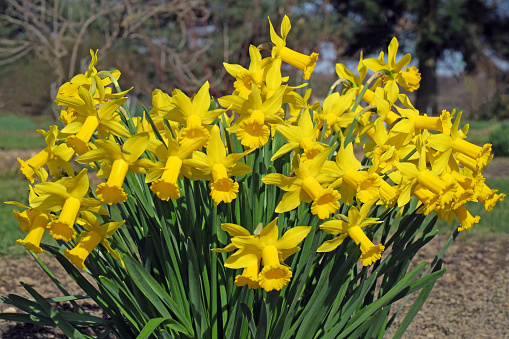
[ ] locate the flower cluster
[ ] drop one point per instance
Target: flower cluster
(407, 155)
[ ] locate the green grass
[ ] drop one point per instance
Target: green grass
(477, 124)
(11, 189)
(20, 132)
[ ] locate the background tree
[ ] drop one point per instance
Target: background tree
(477, 29)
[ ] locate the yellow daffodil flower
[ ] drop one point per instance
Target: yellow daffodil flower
(249, 275)
(245, 78)
(306, 186)
(446, 191)
(303, 136)
(409, 79)
(32, 241)
(456, 141)
(300, 104)
(272, 252)
(336, 112)
(252, 127)
(193, 114)
(94, 235)
(122, 160)
(105, 120)
(218, 168)
(55, 156)
(352, 181)
(68, 196)
(353, 228)
(165, 172)
(489, 197)
(305, 63)
(162, 103)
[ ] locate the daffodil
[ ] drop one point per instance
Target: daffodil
(121, 160)
(162, 104)
(489, 197)
(245, 78)
(301, 105)
(252, 126)
(352, 181)
(55, 155)
(165, 172)
(97, 81)
(480, 155)
(89, 239)
(336, 112)
(409, 78)
(66, 195)
(446, 191)
(272, 252)
(357, 219)
(218, 168)
(193, 114)
(306, 186)
(303, 136)
(33, 222)
(249, 275)
(32, 241)
(305, 63)
(105, 120)
(355, 81)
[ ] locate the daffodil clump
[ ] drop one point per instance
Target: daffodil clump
(169, 183)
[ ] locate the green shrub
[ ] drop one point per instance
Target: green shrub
(499, 138)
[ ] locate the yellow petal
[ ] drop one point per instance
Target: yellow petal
(136, 145)
(293, 237)
(331, 245)
(235, 230)
(270, 233)
(243, 258)
(201, 101)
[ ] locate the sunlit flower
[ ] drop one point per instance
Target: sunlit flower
(218, 168)
(38, 224)
(252, 127)
(408, 79)
(353, 228)
(165, 172)
(55, 156)
(307, 186)
(193, 113)
(89, 239)
(303, 136)
(265, 246)
(122, 160)
(66, 195)
(305, 63)
(245, 78)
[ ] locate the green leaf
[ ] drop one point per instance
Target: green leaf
(55, 315)
(156, 294)
(248, 315)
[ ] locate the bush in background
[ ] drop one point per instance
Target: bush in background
(499, 138)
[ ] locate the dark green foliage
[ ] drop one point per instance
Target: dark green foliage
(499, 138)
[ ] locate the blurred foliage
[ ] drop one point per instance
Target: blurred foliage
(477, 29)
(496, 107)
(175, 44)
(499, 139)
